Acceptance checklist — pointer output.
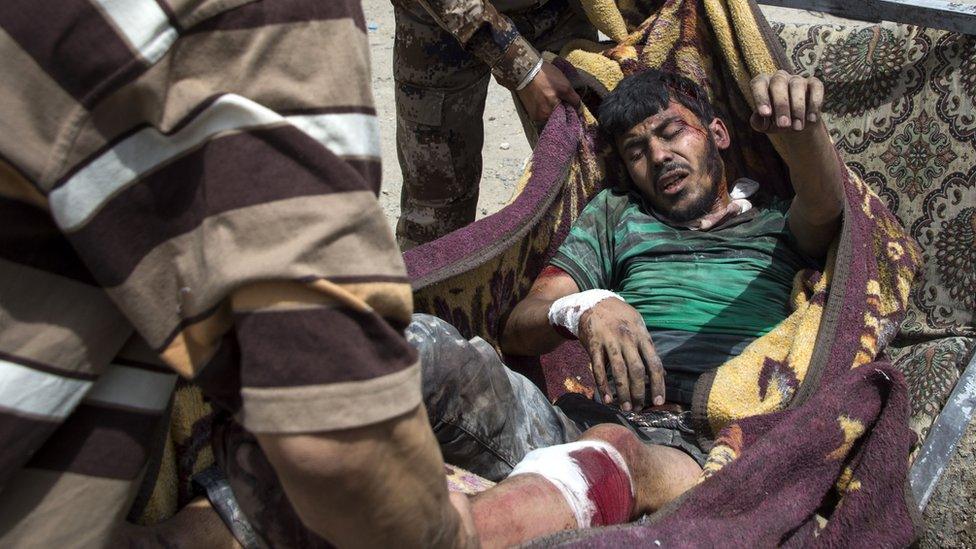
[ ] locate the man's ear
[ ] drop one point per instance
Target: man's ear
(720, 133)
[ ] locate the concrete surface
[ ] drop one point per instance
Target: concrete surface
(950, 518)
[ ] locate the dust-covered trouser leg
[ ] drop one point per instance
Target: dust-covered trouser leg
(485, 416)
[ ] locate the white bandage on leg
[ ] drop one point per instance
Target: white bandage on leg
(592, 477)
(566, 311)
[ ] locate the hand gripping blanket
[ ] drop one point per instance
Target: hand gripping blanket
(808, 427)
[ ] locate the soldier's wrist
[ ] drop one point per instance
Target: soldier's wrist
(529, 76)
(516, 63)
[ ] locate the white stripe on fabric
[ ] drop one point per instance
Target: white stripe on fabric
(144, 25)
(84, 193)
(39, 393)
(133, 388)
(349, 134)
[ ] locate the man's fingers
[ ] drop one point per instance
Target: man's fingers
(560, 85)
(600, 373)
(759, 123)
(798, 102)
(760, 94)
(635, 371)
(544, 111)
(655, 370)
(779, 95)
(620, 376)
(815, 96)
(570, 96)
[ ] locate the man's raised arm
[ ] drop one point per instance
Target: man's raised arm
(789, 105)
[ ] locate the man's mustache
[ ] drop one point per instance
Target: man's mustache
(668, 168)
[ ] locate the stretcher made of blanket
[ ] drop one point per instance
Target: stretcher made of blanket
(897, 104)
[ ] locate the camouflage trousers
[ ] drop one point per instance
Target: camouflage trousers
(440, 102)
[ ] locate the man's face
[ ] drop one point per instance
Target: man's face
(674, 161)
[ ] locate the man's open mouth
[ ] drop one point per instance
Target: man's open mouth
(672, 182)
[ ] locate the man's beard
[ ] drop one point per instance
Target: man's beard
(703, 203)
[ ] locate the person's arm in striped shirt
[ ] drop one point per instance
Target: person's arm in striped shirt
(217, 181)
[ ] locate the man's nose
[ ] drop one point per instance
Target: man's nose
(660, 154)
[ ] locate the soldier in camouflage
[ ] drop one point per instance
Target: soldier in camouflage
(444, 53)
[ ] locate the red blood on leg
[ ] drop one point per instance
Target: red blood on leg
(610, 488)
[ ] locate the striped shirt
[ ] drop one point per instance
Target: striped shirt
(190, 180)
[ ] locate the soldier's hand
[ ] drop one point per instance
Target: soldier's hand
(786, 103)
(541, 96)
(616, 338)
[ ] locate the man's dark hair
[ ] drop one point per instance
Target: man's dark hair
(644, 94)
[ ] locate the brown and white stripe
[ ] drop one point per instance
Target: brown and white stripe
(204, 172)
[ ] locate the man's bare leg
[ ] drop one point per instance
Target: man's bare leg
(527, 506)
(518, 509)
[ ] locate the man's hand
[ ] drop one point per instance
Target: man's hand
(789, 105)
(614, 333)
(544, 92)
(786, 103)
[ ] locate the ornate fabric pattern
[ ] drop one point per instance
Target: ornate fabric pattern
(186, 452)
(931, 370)
(901, 103)
(466, 482)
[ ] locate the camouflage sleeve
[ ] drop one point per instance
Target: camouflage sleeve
(488, 35)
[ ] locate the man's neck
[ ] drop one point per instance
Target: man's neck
(722, 208)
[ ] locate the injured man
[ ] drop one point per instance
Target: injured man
(660, 281)
(677, 273)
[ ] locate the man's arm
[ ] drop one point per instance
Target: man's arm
(528, 331)
(612, 332)
(373, 486)
(491, 37)
(347, 486)
(790, 106)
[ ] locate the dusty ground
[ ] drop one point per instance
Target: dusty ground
(950, 519)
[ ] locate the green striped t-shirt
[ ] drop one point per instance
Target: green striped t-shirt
(734, 279)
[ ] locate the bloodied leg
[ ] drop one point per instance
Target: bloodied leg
(607, 477)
